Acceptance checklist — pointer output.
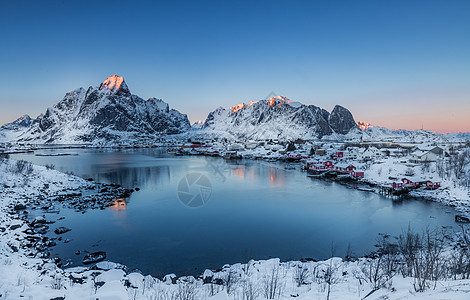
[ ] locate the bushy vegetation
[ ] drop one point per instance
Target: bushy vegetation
(455, 166)
(21, 167)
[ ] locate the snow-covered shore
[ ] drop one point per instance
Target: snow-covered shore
(27, 273)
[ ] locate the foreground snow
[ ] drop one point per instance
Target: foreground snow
(25, 275)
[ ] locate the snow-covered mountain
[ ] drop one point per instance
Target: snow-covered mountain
(197, 125)
(277, 118)
(12, 130)
(369, 133)
(98, 114)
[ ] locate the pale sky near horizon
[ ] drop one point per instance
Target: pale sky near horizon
(397, 64)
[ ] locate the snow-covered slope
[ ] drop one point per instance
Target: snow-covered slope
(100, 114)
(381, 134)
(12, 130)
(277, 118)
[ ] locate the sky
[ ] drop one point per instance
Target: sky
(397, 64)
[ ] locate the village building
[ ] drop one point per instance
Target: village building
(426, 154)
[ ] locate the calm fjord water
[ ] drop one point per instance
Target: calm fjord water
(256, 210)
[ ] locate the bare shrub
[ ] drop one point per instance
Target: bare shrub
(186, 291)
(382, 265)
(21, 167)
(374, 273)
(271, 283)
(230, 279)
(250, 290)
(301, 274)
(423, 257)
(57, 282)
(458, 263)
(330, 276)
(409, 244)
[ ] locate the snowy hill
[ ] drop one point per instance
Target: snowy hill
(98, 114)
(381, 134)
(277, 118)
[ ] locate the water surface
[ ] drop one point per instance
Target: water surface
(255, 210)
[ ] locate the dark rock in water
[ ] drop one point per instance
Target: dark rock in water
(19, 207)
(137, 189)
(61, 230)
(462, 219)
(89, 179)
(16, 226)
(126, 194)
(38, 221)
(94, 257)
(49, 243)
(58, 298)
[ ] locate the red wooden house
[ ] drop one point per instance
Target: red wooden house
(409, 183)
(397, 185)
(357, 174)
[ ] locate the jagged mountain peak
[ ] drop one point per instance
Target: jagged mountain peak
(115, 84)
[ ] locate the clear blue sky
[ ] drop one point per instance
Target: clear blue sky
(400, 64)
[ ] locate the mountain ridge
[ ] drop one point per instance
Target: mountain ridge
(277, 118)
(101, 114)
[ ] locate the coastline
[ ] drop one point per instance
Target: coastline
(30, 273)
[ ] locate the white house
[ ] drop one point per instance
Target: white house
(371, 153)
(352, 153)
(426, 154)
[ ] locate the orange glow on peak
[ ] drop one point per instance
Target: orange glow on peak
(22, 117)
(113, 83)
(237, 107)
(242, 105)
(363, 125)
(271, 102)
(278, 99)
